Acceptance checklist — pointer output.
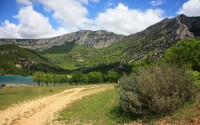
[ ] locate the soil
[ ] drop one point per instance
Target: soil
(44, 110)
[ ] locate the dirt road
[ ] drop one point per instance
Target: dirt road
(43, 111)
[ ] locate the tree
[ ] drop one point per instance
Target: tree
(77, 77)
(48, 77)
(65, 79)
(95, 77)
(38, 77)
(112, 76)
(55, 79)
(61, 79)
(185, 53)
(84, 78)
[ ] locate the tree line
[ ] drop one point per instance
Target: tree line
(75, 78)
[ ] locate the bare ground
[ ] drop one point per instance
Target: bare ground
(42, 111)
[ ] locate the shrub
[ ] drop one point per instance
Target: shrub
(95, 77)
(196, 76)
(38, 77)
(112, 76)
(185, 53)
(158, 90)
(76, 77)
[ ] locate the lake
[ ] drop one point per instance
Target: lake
(17, 80)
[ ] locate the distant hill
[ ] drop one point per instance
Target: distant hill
(20, 61)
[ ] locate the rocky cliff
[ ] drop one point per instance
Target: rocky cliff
(95, 39)
(158, 37)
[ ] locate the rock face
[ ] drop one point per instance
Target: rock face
(95, 39)
(157, 38)
(176, 28)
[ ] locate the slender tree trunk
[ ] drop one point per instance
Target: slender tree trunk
(38, 83)
(54, 83)
(46, 83)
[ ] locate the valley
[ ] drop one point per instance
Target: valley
(150, 77)
(80, 50)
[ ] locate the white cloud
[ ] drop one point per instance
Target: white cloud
(123, 20)
(24, 2)
(9, 30)
(156, 2)
(72, 14)
(190, 8)
(31, 25)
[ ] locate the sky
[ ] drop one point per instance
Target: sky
(34, 19)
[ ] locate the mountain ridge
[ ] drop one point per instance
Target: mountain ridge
(155, 39)
(173, 29)
(95, 39)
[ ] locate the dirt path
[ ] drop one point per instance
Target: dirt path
(42, 111)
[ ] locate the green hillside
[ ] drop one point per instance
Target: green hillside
(19, 61)
(150, 44)
(60, 49)
(85, 57)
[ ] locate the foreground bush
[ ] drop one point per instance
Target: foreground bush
(158, 90)
(196, 76)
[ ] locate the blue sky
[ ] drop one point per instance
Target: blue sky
(49, 18)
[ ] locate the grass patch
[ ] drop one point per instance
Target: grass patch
(99, 109)
(103, 109)
(13, 95)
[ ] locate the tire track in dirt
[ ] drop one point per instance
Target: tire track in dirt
(43, 110)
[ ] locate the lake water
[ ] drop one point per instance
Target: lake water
(17, 80)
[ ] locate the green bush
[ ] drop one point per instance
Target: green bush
(196, 76)
(95, 77)
(112, 77)
(158, 90)
(77, 77)
(38, 77)
(185, 53)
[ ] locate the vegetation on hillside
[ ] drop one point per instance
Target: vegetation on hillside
(20, 61)
(83, 57)
(60, 49)
(185, 53)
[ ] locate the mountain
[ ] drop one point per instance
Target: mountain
(78, 51)
(151, 42)
(95, 39)
(20, 61)
(157, 38)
